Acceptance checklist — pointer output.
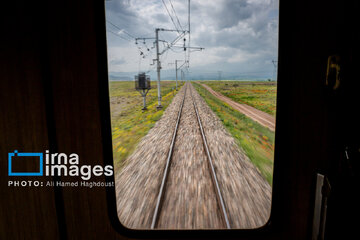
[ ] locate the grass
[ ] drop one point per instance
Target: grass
(260, 95)
(129, 123)
(256, 140)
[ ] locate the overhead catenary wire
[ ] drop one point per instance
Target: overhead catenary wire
(122, 30)
(141, 55)
(173, 50)
(161, 51)
(151, 66)
(172, 6)
(167, 10)
(118, 35)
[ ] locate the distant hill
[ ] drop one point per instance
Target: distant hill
(120, 78)
(170, 75)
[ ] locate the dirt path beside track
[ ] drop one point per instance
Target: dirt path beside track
(261, 117)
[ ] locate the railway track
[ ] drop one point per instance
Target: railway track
(203, 201)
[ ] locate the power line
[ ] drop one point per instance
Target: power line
(142, 54)
(118, 35)
(170, 15)
(172, 6)
(122, 30)
(172, 49)
(139, 48)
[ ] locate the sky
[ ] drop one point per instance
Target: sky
(239, 37)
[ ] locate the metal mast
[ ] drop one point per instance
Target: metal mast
(176, 73)
(188, 65)
(159, 106)
(158, 53)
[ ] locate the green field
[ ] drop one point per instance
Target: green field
(257, 141)
(258, 94)
(129, 123)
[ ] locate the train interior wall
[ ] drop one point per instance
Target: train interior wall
(53, 96)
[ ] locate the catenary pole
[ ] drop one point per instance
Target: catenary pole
(159, 106)
(176, 69)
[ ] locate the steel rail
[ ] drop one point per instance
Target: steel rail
(212, 169)
(167, 168)
(168, 163)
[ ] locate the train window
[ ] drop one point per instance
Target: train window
(193, 88)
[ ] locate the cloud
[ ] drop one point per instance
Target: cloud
(117, 61)
(160, 17)
(242, 32)
(228, 13)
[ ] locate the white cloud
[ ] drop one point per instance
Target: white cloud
(233, 32)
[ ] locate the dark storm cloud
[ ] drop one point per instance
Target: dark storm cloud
(121, 12)
(232, 31)
(230, 13)
(123, 15)
(250, 26)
